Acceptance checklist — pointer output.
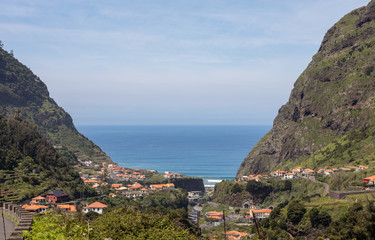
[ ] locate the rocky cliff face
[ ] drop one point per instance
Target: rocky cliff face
(330, 111)
(24, 93)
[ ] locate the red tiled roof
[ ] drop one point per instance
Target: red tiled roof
(97, 205)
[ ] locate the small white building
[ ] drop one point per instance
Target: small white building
(95, 207)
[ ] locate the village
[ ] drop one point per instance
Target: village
(111, 178)
(114, 180)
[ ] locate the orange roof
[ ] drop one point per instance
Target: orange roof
(371, 178)
(144, 189)
(92, 181)
(135, 185)
(34, 207)
(70, 208)
(116, 185)
(329, 170)
(39, 198)
(97, 205)
(260, 211)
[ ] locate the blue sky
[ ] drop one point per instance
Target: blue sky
(169, 62)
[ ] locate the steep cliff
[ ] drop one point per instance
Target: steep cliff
(23, 92)
(329, 119)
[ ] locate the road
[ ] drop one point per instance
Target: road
(326, 186)
(9, 227)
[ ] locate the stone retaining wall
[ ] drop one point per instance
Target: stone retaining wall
(343, 194)
(23, 217)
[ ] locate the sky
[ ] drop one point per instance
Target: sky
(168, 62)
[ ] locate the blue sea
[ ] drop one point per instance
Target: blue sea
(210, 152)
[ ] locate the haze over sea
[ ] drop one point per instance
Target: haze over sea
(210, 152)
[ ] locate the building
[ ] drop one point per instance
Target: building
(67, 207)
(289, 176)
(215, 215)
(259, 213)
(35, 208)
(172, 175)
(370, 180)
(236, 235)
(95, 207)
(57, 196)
(39, 200)
(162, 186)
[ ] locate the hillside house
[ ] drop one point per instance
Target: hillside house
(172, 175)
(57, 196)
(39, 200)
(236, 235)
(259, 213)
(95, 207)
(289, 176)
(162, 186)
(35, 208)
(215, 215)
(370, 180)
(67, 207)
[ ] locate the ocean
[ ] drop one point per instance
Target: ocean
(211, 152)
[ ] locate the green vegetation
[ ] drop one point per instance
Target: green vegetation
(157, 216)
(268, 192)
(163, 200)
(29, 165)
(22, 91)
(119, 223)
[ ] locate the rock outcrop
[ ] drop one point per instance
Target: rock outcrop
(330, 111)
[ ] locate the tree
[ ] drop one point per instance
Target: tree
(296, 211)
(318, 218)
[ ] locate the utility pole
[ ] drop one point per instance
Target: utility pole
(199, 229)
(225, 228)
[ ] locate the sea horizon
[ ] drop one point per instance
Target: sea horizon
(212, 152)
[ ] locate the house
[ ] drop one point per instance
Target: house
(215, 215)
(39, 200)
(308, 171)
(172, 175)
(67, 207)
(278, 173)
(259, 213)
(162, 186)
(134, 186)
(289, 176)
(95, 207)
(57, 196)
(134, 194)
(236, 235)
(116, 186)
(370, 180)
(328, 172)
(361, 167)
(35, 208)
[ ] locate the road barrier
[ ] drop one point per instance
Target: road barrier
(22, 216)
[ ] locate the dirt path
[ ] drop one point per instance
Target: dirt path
(325, 185)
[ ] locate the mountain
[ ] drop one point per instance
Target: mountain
(29, 165)
(23, 92)
(329, 119)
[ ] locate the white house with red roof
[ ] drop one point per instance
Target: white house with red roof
(95, 207)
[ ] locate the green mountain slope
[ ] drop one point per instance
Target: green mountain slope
(330, 111)
(21, 90)
(29, 165)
